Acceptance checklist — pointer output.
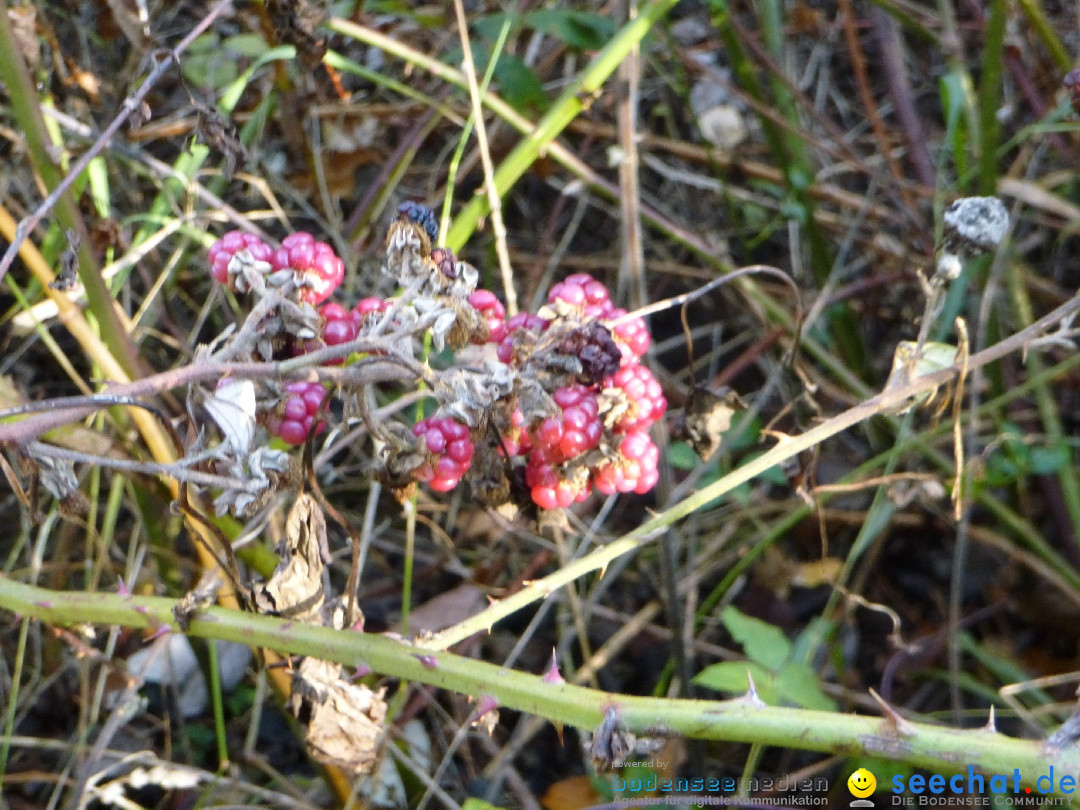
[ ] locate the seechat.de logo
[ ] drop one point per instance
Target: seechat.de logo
(861, 784)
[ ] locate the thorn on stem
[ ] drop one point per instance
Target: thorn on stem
(895, 724)
(752, 698)
(553, 675)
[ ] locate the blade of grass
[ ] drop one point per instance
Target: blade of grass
(990, 96)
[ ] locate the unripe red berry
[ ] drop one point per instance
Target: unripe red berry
(318, 268)
(337, 325)
(635, 468)
(583, 291)
(642, 395)
(575, 430)
(632, 336)
(450, 450)
(505, 334)
(223, 250)
(295, 417)
(491, 310)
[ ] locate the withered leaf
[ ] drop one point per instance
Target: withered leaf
(296, 22)
(296, 588)
(199, 597)
(69, 263)
(219, 133)
(345, 720)
(611, 743)
(708, 417)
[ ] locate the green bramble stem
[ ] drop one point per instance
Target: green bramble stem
(742, 720)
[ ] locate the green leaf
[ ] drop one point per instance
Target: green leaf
(799, 684)
(578, 29)
(1046, 460)
(762, 641)
(473, 803)
(489, 26)
(251, 45)
(208, 65)
(681, 456)
(730, 677)
(518, 84)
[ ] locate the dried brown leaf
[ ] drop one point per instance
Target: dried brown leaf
(345, 720)
(296, 589)
(708, 417)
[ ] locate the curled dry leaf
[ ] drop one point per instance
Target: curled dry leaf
(232, 408)
(345, 720)
(909, 364)
(296, 587)
(708, 417)
(199, 597)
(263, 471)
(219, 133)
(486, 715)
(611, 743)
(469, 396)
(68, 276)
(407, 248)
(57, 476)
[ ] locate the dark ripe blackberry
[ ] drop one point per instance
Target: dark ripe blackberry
(421, 215)
(594, 346)
(445, 261)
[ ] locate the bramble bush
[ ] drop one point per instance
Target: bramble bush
(543, 406)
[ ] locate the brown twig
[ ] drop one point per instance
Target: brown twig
(53, 413)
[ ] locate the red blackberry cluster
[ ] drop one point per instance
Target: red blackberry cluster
(223, 250)
(633, 469)
(558, 440)
(450, 451)
(637, 399)
(490, 309)
(598, 438)
(294, 419)
(318, 269)
(572, 412)
(337, 325)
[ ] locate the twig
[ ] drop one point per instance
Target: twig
(50, 414)
(679, 300)
(632, 264)
(163, 62)
(903, 99)
(180, 470)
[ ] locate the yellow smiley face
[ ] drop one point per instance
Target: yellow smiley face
(861, 783)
